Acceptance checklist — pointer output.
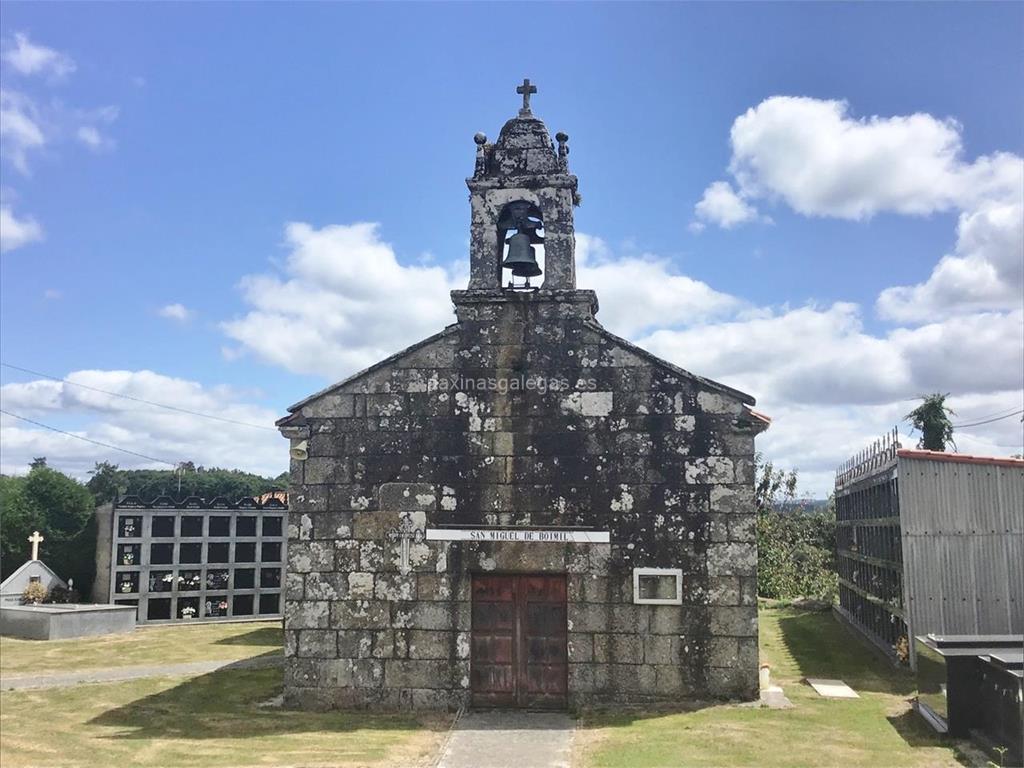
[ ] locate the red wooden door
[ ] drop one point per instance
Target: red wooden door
(519, 656)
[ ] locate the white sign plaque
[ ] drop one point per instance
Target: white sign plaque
(532, 535)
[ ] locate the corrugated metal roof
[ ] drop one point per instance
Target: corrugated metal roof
(966, 458)
(963, 543)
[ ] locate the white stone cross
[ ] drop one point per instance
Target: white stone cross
(405, 532)
(35, 538)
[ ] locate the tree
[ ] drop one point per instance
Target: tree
(105, 483)
(60, 508)
(796, 543)
(108, 481)
(931, 419)
(772, 487)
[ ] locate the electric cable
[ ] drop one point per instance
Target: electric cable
(88, 439)
(138, 399)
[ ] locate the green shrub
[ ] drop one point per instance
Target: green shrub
(796, 554)
(34, 594)
(796, 541)
(61, 594)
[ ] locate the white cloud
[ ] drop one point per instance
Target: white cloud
(984, 272)
(818, 159)
(52, 294)
(15, 232)
(832, 388)
(28, 124)
(343, 303)
(817, 439)
(821, 161)
(89, 133)
(815, 356)
(722, 205)
(89, 136)
(645, 291)
(28, 58)
(178, 312)
(156, 432)
(20, 131)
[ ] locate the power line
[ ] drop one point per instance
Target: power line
(137, 399)
(89, 440)
(1000, 414)
(988, 421)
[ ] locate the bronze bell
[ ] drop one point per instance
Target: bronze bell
(521, 259)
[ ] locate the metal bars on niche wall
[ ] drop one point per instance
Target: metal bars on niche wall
(869, 552)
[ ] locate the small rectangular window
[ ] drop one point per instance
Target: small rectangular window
(658, 586)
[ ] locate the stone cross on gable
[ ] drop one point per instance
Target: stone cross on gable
(406, 533)
(526, 89)
(35, 539)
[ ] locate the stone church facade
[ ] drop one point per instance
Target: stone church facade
(523, 509)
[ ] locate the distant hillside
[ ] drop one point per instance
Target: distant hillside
(108, 481)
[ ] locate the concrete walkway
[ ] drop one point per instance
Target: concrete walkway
(115, 674)
(510, 740)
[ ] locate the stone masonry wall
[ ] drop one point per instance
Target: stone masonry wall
(660, 458)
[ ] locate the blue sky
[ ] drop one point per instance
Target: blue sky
(176, 142)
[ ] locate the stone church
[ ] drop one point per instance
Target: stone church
(522, 510)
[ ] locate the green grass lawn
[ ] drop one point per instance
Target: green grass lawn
(212, 721)
(171, 644)
(879, 729)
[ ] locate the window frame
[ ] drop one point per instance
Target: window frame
(638, 573)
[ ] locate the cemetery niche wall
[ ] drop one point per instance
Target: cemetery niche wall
(522, 510)
(193, 560)
(928, 542)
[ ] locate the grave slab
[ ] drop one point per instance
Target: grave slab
(832, 689)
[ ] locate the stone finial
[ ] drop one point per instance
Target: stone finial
(526, 89)
(563, 149)
(481, 155)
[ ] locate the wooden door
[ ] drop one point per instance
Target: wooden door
(519, 656)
